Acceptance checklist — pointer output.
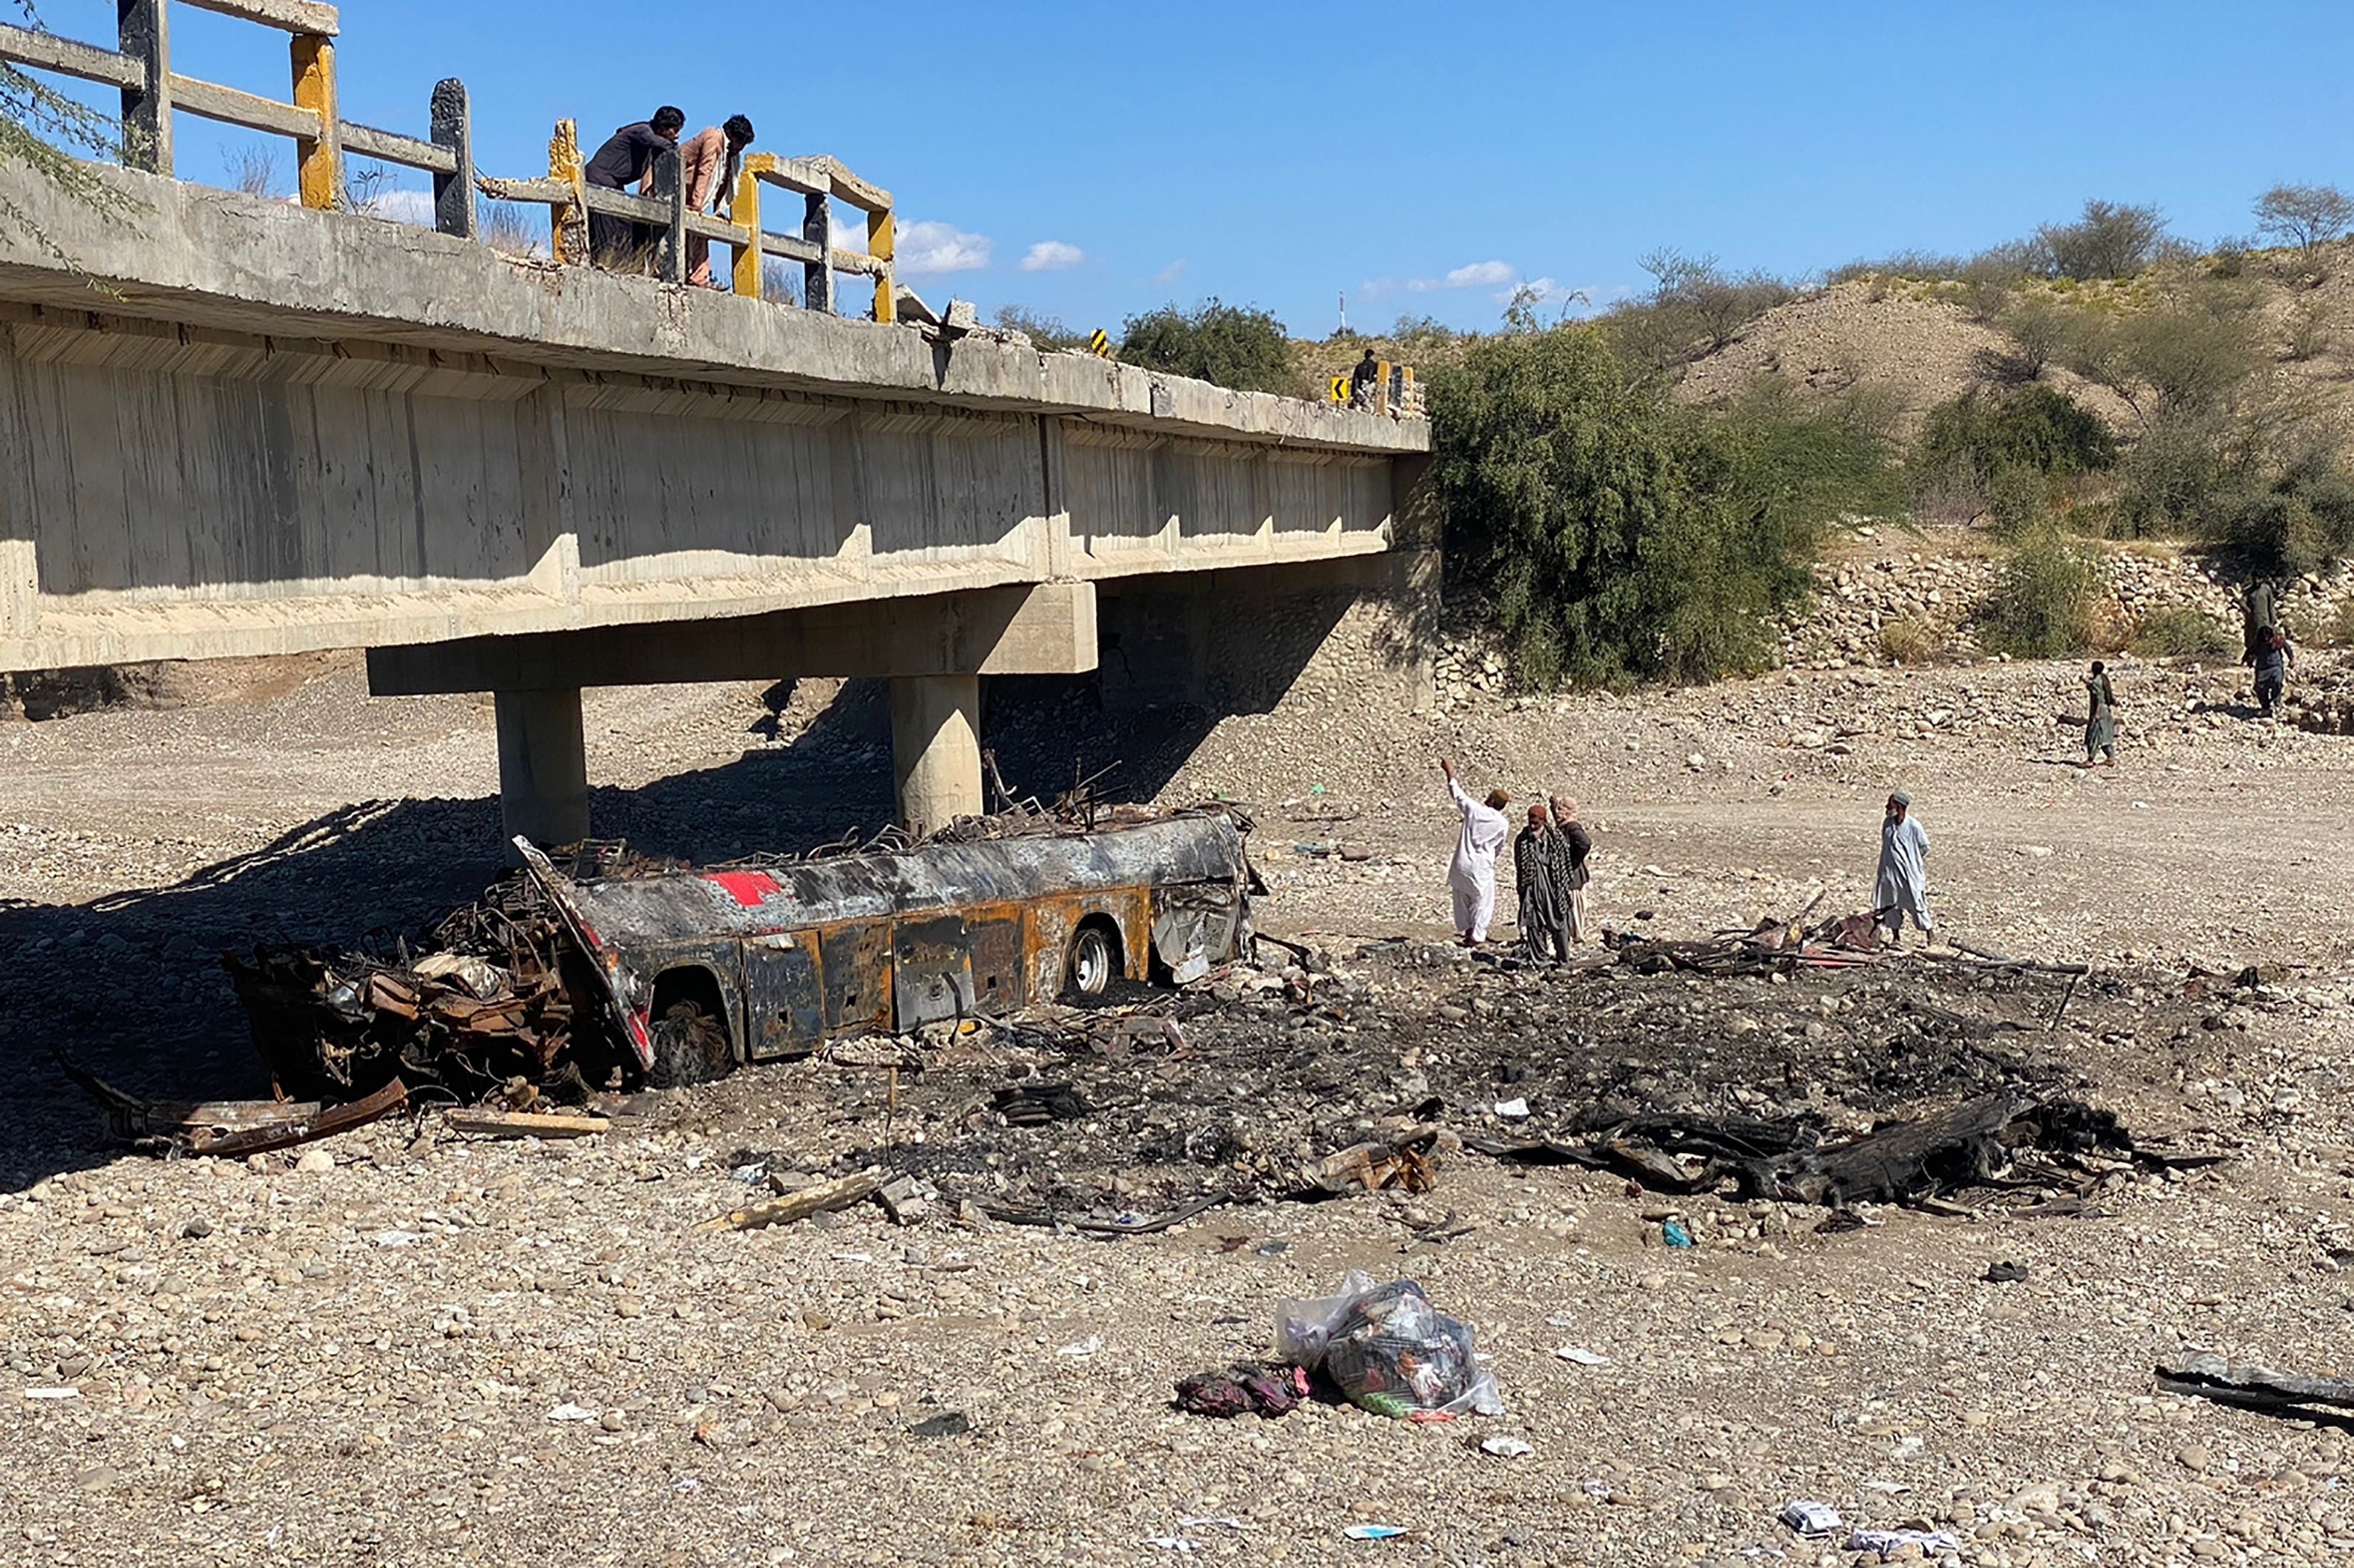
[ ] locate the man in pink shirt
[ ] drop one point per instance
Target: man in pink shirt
(707, 166)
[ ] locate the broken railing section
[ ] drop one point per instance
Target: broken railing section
(227, 1129)
(818, 182)
(140, 68)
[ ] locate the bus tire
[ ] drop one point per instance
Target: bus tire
(1093, 963)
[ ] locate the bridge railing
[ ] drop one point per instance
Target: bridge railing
(819, 182)
(141, 69)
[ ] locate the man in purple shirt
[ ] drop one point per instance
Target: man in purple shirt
(621, 164)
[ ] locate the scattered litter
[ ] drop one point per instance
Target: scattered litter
(1408, 1162)
(1173, 1543)
(1810, 1517)
(1887, 1543)
(53, 1394)
(525, 1124)
(568, 1411)
(1375, 1531)
(1893, 1489)
(1674, 1233)
(1582, 1356)
(2005, 1273)
(1506, 1448)
(1204, 1521)
(1596, 1488)
(1244, 1388)
(396, 1238)
(1085, 1347)
(1388, 1350)
(1512, 1110)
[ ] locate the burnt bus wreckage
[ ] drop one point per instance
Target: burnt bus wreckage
(612, 972)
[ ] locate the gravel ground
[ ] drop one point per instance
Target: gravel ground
(405, 1348)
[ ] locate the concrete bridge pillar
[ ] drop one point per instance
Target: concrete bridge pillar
(543, 766)
(936, 748)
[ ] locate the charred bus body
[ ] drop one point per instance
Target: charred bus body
(707, 968)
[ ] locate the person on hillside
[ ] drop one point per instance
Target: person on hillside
(619, 244)
(2258, 615)
(1472, 875)
(1903, 887)
(1363, 380)
(2101, 718)
(2274, 659)
(707, 162)
(1537, 859)
(1574, 843)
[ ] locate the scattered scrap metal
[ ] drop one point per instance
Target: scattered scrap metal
(2211, 1376)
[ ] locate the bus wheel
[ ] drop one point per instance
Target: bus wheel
(691, 1045)
(1094, 963)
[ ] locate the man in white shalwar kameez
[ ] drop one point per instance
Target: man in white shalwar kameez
(1472, 875)
(1904, 885)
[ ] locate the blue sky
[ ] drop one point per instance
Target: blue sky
(1094, 160)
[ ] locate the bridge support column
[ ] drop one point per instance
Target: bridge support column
(543, 766)
(936, 748)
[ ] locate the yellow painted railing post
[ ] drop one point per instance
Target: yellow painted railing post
(743, 212)
(320, 160)
(881, 236)
(568, 228)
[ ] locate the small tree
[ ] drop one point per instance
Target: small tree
(33, 119)
(1229, 345)
(2307, 217)
(2111, 240)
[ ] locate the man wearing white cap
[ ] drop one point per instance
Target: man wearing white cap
(1904, 885)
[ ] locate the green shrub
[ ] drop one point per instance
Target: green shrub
(1044, 331)
(2038, 428)
(2019, 501)
(1247, 350)
(2179, 632)
(1619, 536)
(2045, 604)
(2299, 519)
(2338, 632)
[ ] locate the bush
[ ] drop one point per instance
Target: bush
(2297, 519)
(2311, 330)
(1694, 308)
(2339, 630)
(1043, 330)
(2111, 240)
(1620, 536)
(1910, 641)
(2019, 501)
(2044, 604)
(1247, 350)
(2037, 427)
(2179, 632)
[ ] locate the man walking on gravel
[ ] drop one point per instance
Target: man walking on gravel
(1472, 875)
(1904, 885)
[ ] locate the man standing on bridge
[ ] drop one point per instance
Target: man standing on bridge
(616, 243)
(1472, 874)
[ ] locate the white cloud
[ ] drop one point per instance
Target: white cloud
(1052, 256)
(1473, 275)
(1168, 275)
(404, 207)
(931, 247)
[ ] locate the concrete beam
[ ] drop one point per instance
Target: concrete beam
(543, 766)
(936, 748)
(1048, 629)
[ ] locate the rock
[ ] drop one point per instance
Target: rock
(315, 1161)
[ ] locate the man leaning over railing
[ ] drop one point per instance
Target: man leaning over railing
(700, 160)
(616, 243)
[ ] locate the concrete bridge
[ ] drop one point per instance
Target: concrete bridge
(235, 426)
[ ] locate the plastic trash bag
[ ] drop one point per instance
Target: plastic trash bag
(1388, 1350)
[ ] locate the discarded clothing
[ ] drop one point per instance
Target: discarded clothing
(1246, 1388)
